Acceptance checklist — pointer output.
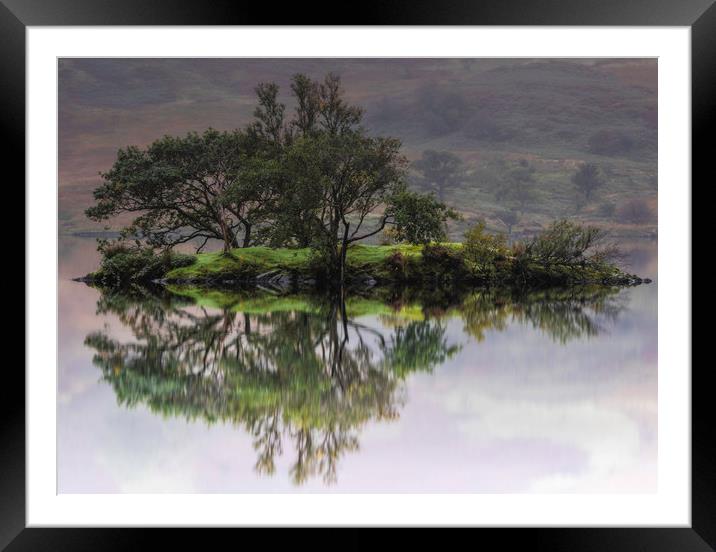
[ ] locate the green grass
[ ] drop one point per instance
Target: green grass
(243, 261)
(251, 261)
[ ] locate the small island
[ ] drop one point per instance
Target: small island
(294, 204)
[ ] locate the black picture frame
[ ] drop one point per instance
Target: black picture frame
(699, 15)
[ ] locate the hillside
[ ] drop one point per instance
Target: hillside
(554, 114)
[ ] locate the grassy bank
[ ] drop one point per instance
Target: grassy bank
(391, 264)
(250, 262)
(564, 254)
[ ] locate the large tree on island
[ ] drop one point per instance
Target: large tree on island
(178, 187)
(341, 180)
(317, 180)
(337, 176)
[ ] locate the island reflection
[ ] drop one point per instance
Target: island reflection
(305, 373)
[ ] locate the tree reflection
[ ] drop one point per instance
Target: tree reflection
(305, 373)
(312, 377)
(563, 314)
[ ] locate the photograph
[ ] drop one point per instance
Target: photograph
(357, 275)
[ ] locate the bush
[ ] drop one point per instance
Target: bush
(124, 264)
(563, 242)
(442, 261)
(396, 265)
(635, 211)
(481, 249)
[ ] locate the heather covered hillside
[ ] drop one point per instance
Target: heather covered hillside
(519, 130)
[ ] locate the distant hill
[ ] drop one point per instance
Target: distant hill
(556, 114)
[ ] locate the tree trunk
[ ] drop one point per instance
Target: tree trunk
(344, 251)
(247, 234)
(229, 240)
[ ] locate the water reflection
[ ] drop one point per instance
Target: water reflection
(304, 374)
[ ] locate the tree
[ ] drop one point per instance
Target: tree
(482, 249)
(440, 170)
(308, 104)
(339, 180)
(178, 188)
(419, 218)
(587, 180)
(508, 217)
(519, 186)
(635, 211)
(335, 175)
(568, 243)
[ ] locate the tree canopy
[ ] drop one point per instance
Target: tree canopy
(587, 180)
(519, 186)
(419, 218)
(178, 187)
(316, 179)
(440, 170)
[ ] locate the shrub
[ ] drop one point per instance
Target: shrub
(635, 211)
(123, 264)
(482, 249)
(563, 242)
(442, 261)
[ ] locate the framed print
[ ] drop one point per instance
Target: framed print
(429, 267)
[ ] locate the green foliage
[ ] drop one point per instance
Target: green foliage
(442, 263)
(124, 264)
(311, 181)
(335, 175)
(177, 187)
(419, 218)
(565, 243)
(482, 249)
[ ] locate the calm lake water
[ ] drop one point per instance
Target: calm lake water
(487, 392)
